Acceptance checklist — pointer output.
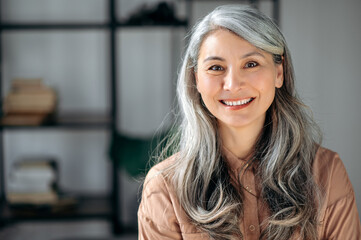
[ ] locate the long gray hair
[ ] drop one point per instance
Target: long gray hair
(284, 151)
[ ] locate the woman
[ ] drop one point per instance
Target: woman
(247, 162)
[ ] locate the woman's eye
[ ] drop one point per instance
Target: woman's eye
(251, 64)
(216, 68)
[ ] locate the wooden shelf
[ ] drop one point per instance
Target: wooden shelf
(69, 120)
(87, 207)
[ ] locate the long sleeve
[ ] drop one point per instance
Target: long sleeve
(340, 218)
(156, 216)
(160, 215)
(148, 230)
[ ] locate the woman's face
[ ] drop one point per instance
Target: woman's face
(236, 80)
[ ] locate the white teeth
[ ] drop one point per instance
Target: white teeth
(237, 103)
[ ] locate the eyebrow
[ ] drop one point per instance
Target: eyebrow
(244, 56)
(213, 58)
(252, 54)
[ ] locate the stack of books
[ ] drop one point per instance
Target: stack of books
(29, 102)
(33, 182)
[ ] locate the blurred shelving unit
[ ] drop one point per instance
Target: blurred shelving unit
(88, 207)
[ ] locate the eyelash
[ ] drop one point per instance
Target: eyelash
(216, 68)
(219, 68)
(255, 64)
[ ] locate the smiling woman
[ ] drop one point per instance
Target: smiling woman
(245, 161)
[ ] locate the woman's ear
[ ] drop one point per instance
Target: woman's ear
(279, 75)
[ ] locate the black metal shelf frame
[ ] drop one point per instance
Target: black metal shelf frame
(109, 205)
(79, 26)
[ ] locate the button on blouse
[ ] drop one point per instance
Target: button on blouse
(242, 173)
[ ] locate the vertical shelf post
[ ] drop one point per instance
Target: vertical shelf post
(2, 160)
(276, 12)
(116, 214)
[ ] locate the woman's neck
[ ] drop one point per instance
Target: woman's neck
(240, 141)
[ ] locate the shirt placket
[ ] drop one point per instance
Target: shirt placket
(250, 222)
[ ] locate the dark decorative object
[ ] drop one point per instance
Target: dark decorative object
(161, 14)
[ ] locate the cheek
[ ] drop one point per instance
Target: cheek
(207, 85)
(263, 82)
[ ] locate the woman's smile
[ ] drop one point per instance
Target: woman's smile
(237, 104)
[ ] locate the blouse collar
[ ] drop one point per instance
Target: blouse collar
(235, 163)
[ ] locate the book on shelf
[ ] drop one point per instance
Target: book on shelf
(33, 182)
(26, 83)
(44, 198)
(34, 170)
(33, 102)
(29, 86)
(30, 102)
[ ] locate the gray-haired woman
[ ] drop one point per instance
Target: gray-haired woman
(246, 160)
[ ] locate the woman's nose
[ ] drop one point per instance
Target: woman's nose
(233, 80)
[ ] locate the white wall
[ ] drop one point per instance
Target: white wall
(324, 37)
(147, 68)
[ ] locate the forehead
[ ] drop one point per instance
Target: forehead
(222, 41)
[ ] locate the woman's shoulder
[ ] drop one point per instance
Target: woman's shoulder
(159, 205)
(158, 177)
(325, 158)
(327, 161)
(331, 175)
(161, 167)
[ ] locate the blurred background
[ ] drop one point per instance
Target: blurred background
(87, 84)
